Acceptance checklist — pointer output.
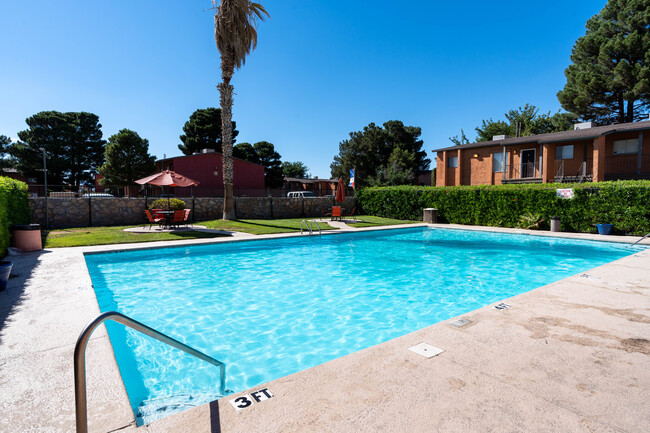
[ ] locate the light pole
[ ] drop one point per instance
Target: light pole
(47, 214)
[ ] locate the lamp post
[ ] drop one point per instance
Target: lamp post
(47, 214)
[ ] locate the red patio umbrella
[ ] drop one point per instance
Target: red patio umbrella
(340, 191)
(167, 178)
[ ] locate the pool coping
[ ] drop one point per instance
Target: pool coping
(339, 405)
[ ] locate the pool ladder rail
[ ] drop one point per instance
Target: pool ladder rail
(310, 226)
(640, 240)
(81, 404)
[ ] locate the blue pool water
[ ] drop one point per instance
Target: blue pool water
(274, 307)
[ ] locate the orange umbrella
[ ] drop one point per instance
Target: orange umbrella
(340, 191)
(167, 178)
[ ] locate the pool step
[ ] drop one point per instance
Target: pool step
(151, 409)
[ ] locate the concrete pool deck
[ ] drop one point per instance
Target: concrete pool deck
(570, 356)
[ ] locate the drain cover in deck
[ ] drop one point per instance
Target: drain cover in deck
(426, 350)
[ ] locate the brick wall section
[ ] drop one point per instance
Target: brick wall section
(599, 159)
(459, 169)
(548, 163)
(478, 170)
(441, 170)
(83, 212)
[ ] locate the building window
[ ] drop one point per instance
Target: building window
(452, 161)
(564, 152)
(497, 162)
(622, 147)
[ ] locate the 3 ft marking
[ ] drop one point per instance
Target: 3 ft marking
(245, 401)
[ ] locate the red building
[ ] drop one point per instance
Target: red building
(207, 169)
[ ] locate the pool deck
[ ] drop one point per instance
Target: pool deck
(572, 356)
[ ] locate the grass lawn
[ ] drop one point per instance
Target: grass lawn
(261, 227)
(86, 236)
(375, 221)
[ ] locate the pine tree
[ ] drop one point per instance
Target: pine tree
(609, 80)
(73, 142)
(127, 159)
(203, 131)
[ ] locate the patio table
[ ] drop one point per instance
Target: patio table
(168, 215)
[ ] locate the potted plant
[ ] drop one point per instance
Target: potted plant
(605, 227)
(5, 271)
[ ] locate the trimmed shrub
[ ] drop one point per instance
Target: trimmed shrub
(14, 208)
(168, 204)
(626, 204)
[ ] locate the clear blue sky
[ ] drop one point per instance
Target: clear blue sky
(321, 69)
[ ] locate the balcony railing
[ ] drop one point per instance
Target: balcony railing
(571, 171)
(527, 170)
(627, 164)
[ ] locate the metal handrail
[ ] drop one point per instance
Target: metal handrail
(316, 222)
(310, 227)
(81, 406)
(640, 240)
(306, 225)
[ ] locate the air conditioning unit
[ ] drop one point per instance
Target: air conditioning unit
(499, 137)
(585, 125)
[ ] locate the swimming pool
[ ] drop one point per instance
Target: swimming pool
(269, 308)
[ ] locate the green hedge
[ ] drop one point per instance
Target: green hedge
(14, 208)
(168, 204)
(626, 204)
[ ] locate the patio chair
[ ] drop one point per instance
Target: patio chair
(336, 213)
(179, 217)
(156, 213)
(351, 214)
(152, 219)
(187, 216)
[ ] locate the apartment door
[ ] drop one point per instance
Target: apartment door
(528, 163)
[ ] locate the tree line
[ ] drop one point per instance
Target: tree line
(75, 150)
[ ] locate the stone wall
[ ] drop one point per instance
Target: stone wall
(86, 212)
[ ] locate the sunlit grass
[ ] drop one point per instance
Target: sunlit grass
(261, 227)
(77, 237)
(375, 221)
(87, 236)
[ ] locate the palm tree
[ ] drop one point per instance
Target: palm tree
(235, 31)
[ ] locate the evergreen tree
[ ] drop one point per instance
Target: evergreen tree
(126, 159)
(270, 159)
(246, 152)
(609, 79)
(203, 131)
(295, 169)
(73, 142)
(4, 149)
(372, 152)
(399, 170)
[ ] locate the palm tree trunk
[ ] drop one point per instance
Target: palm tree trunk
(226, 91)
